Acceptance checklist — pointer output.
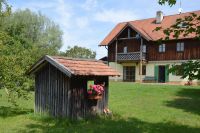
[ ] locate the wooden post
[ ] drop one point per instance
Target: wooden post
(116, 57)
(141, 50)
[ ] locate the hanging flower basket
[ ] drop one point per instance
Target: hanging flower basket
(95, 91)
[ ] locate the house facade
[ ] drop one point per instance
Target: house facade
(135, 51)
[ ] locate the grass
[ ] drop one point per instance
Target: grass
(137, 108)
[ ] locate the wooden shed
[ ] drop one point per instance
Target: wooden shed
(61, 86)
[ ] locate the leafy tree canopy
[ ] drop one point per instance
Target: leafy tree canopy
(190, 70)
(169, 2)
(79, 52)
(25, 36)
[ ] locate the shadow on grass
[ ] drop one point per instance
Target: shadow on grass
(105, 125)
(13, 111)
(187, 99)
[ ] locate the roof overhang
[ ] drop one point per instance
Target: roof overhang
(127, 25)
(53, 62)
(71, 69)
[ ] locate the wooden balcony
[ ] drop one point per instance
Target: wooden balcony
(132, 56)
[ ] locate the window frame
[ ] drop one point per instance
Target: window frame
(144, 48)
(144, 69)
(125, 50)
(162, 48)
(180, 47)
(129, 73)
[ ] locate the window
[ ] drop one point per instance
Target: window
(129, 73)
(180, 47)
(90, 82)
(182, 25)
(125, 49)
(143, 70)
(144, 48)
(162, 48)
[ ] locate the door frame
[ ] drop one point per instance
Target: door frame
(134, 74)
(163, 67)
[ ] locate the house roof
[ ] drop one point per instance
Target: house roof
(146, 28)
(71, 66)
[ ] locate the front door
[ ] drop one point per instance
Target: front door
(129, 73)
(161, 74)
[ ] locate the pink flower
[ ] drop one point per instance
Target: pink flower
(89, 92)
(96, 89)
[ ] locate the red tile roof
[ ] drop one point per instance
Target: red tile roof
(146, 28)
(83, 67)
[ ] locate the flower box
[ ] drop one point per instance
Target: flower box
(95, 91)
(95, 97)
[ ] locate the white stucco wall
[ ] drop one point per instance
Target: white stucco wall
(119, 68)
(172, 78)
(149, 70)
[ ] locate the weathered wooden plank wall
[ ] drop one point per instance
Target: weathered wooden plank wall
(58, 95)
(52, 88)
(78, 100)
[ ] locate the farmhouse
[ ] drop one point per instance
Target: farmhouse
(61, 86)
(134, 50)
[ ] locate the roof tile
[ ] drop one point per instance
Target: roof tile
(146, 28)
(86, 67)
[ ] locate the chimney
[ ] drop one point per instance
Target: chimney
(159, 17)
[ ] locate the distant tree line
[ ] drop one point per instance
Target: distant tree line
(79, 52)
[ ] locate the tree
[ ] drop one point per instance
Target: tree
(184, 26)
(190, 70)
(169, 2)
(25, 36)
(79, 52)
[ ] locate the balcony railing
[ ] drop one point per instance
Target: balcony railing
(132, 56)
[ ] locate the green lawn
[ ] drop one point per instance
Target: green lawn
(136, 108)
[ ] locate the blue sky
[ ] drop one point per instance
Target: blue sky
(87, 22)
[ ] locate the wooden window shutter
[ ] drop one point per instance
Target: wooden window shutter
(156, 72)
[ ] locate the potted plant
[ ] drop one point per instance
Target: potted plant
(95, 91)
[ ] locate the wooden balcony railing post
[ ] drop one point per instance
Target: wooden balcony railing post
(141, 58)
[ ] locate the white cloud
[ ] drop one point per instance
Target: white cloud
(115, 16)
(64, 12)
(89, 4)
(41, 5)
(101, 52)
(82, 22)
(36, 6)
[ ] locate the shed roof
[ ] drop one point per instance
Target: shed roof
(146, 28)
(71, 66)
